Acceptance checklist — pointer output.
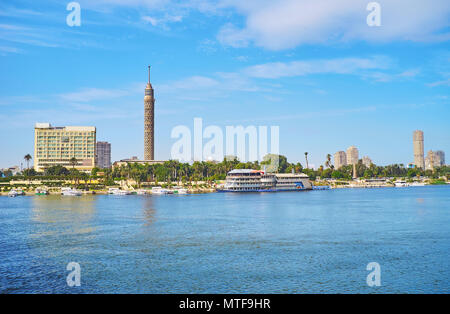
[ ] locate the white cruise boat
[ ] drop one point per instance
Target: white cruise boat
(249, 180)
(70, 192)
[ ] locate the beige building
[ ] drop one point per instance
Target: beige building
(340, 159)
(418, 149)
(429, 161)
(434, 159)
(367, 161)
(352, 155)
(58, 145)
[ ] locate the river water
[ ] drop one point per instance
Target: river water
(286, 242)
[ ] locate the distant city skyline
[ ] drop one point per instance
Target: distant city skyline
(341, 83)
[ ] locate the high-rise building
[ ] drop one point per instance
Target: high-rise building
(429, 160)
(103, 155)
(367, 161)
(340, 159)
(352, 155)
(58, 145)
(434, 159)
(149, 119)
(440, 158)
(418, 149)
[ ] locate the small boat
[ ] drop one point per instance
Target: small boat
(111, 190)
(401, 184)
(141, 192)
(13, 193)
(180, 191)
(417, 184)
(39, 191)
(70, 192)
(159, 190)
(117, 191)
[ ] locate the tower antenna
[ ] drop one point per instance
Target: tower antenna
(149, 74)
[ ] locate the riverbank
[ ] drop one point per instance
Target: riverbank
(105, 192)
(214, 190)
(29, 187)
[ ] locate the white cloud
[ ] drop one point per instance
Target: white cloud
(90, 94)
(286, 24)
(302, 68)
(190, 83)
(440, 83)
(163, 21)
(14, 12)
(5, 50)
(150, 20)
(388, 77)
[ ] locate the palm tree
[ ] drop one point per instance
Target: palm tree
(73, 161)
(27, 159)
(306, 157)
(328, 162)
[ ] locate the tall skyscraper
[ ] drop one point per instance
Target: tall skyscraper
(340, 159)
(58, 145)
(429, 160)
(440, 158)
(352, 155)
(149, 119)
(103, 155)
(434, 159)
(419, 160)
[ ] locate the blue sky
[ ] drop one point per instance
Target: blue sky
(314, 68)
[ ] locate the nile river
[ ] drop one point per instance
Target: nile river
(287, 242)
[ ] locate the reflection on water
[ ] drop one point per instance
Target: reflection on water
(55, 214)
(149, 211)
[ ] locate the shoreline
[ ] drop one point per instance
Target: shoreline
(214, 190)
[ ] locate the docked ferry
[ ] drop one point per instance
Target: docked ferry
(249, 180)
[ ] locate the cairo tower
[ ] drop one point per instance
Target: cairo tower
(149, 119)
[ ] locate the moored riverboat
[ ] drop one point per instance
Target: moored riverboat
(249, 180)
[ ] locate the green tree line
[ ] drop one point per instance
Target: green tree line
(174, 171)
